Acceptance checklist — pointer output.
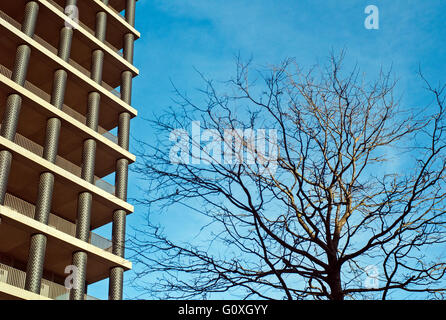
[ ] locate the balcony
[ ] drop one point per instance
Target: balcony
(49, 289)
(56, 222)
(27, 209)
(65, 195)
(23, 182)
(117, 26)
(61, 162)
(60, 6)
(33, 122)
(52, 19)
(72, 62)
(44, 62)
(17, 225)
(76, 115)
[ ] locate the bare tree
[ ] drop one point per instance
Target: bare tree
(349, 203)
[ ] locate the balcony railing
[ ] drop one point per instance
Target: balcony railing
(118, 13)
(49, 289)
(108, 135)
(58, 223)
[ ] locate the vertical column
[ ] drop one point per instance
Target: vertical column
(121, 175)
(14, 101)
(88, 161)
(37, 248)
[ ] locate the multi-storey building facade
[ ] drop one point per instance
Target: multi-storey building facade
(60, 64)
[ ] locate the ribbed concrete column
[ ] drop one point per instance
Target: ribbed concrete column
(88, 160)
(36, 256)
(121, 176)
(14, 101)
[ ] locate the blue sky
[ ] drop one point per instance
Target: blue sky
(180, 35)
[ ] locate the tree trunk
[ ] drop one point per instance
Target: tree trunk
(334, 281)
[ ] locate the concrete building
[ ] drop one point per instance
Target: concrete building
(60, 64)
